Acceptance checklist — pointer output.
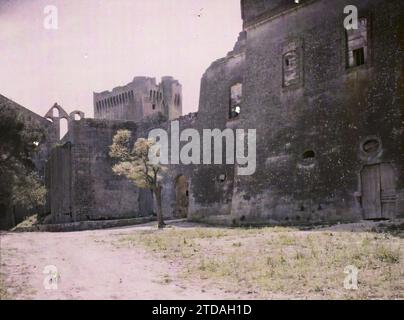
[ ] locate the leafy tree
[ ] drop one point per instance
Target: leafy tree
(134, 163)
(19, 184)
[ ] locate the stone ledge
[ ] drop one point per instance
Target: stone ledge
(86, 225)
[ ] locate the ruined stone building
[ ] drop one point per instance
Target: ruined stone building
(327, 104)
(140, 98)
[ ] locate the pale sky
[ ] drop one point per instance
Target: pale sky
(101, 44)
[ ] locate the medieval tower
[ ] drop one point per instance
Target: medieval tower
(139, 99)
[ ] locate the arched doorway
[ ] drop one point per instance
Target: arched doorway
(182, 197)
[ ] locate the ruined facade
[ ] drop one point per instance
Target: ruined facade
(327, 105)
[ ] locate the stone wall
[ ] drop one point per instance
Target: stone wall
(92, 190)
(329, 118)
(310, 135)
(10, 216)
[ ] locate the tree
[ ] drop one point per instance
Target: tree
(19, 184)
(134, 164)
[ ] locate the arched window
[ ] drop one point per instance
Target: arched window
(63, 127)
(55, 112)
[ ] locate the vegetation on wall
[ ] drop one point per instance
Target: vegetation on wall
(19, 184)
(134, 164)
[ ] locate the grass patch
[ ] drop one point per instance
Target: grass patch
(388, 255)
(28, 222)
(281, 262)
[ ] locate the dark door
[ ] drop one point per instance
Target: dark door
(182, 197)
(378, 192)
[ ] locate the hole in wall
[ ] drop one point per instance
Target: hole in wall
(309, 154)
(64, 125)
(371, 146)
(55, 112)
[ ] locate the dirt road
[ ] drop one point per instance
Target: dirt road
(89, 268)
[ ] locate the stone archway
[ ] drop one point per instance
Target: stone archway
(182, 197)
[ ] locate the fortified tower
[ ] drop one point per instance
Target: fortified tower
(141, 98)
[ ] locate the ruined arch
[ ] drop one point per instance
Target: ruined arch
(76, 115)
(59, 126)
(61, 113)
(63, 127)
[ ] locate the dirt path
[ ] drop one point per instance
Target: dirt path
(89, 269)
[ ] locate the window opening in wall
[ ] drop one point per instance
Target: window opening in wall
(236, 92)
(359, 56)
(63, 127)
(310, 154)
(371, 146)
(55, 113)
(357, 44)
(291, 74)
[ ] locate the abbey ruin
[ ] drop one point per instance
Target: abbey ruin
(327, 104)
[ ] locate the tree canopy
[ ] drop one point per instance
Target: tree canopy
(134, 164)
(19, 184)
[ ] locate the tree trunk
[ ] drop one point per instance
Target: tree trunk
(160, 218)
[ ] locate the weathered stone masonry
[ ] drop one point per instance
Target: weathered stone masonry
(13, 215)
(311, 163)
(327, 105)
(141, 98)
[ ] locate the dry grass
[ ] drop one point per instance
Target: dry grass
(28, 222)
(280, 262)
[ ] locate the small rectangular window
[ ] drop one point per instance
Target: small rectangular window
(291, 75)
(359, 56)
(357, 44)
